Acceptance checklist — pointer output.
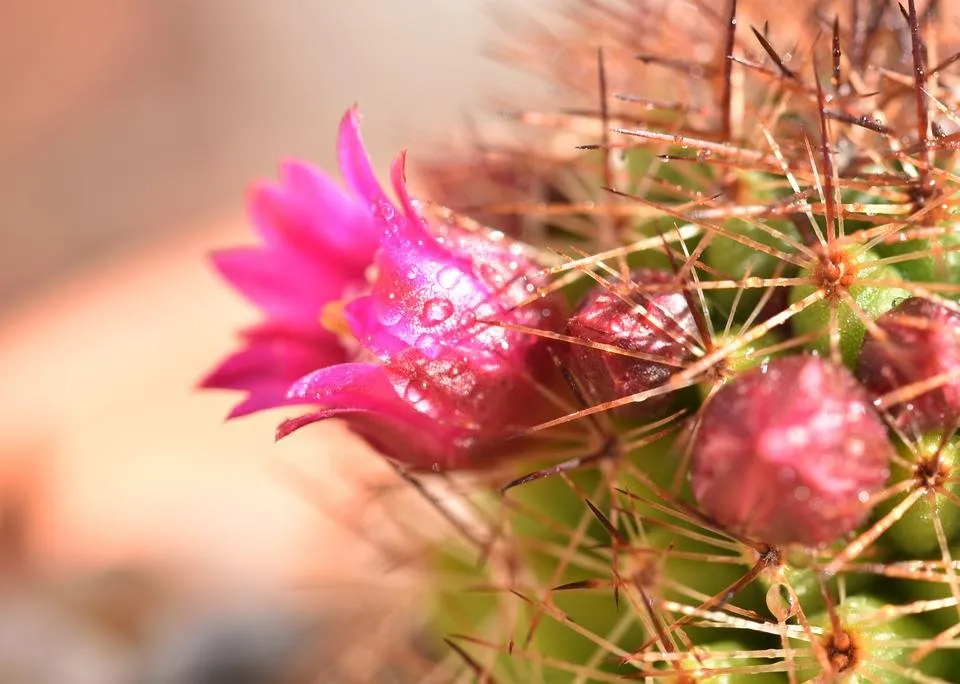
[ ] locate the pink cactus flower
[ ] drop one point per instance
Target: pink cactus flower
(384, 318)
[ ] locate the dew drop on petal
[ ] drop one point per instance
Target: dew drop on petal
(490, 275)
(429, 345)
(389, 314)
(413, 393)
(467, 319)
(436, 311)
(385, 210)
(448, 276)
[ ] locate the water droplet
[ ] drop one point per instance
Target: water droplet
(429, 345)
(413, 394)
(385, 210)
(467, 319)
(388, 314)
(436, 311)
(448, 277)
(490, 275)
(780, 602)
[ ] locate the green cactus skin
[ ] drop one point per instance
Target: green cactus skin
(872, 300)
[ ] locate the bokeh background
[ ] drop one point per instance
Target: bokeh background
(142, 539)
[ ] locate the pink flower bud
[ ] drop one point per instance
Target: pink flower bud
(790, 452)
(921, 342)
(658, 326)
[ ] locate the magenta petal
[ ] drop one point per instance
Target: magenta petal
(398, 175)
(424, 293)
(275, 356)
(355, 165)
(281, 221)
(284, 283)
(339, 219)
(362, 394)
(370, 321)
(349, 386)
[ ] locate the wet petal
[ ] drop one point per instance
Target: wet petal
(274, 357)
(363, 395)
(370, 320)
(355, 164)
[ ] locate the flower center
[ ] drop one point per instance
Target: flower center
(332, 318)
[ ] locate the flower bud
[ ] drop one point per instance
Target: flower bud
(921, 341)
(657, 325)
(789, 452)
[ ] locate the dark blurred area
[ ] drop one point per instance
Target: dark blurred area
(142, 539)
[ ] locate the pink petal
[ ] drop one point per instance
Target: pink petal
(284, 283)
(350, 386)
(398, 175)
(355, 164)
(339, 220)
(275, 356)
(370, 321)
(423, 291)
(363, 395)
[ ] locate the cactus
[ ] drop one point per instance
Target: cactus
(727, 269)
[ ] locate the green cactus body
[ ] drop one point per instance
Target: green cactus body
(873, 300)
(736, 260)
(721, 663)
(936, 260)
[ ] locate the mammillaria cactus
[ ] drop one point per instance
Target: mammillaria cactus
(740, 462)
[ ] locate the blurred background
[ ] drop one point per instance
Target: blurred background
(141, 538)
